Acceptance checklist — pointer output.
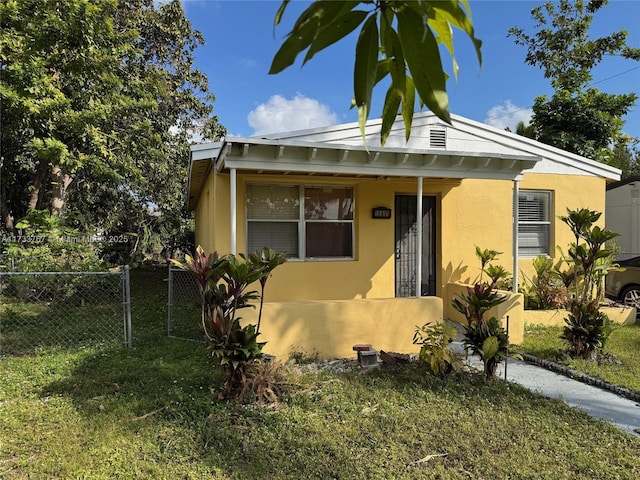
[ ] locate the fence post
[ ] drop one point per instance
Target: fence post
(170, 303)
(127, 306)
(506, 359)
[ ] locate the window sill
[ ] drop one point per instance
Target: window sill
(321, 259)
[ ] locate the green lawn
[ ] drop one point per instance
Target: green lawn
(624, 344)
(149, 412)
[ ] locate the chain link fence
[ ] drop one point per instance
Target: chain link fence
(63, 310)
(184, 308)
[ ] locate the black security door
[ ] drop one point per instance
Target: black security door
(406, 251)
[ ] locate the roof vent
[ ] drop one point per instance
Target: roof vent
(437, 138)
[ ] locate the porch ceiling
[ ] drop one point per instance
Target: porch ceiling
(295, 157)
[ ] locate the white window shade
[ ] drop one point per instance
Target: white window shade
(273, 202)
(279, 236)
(322, 229)
(534, 222)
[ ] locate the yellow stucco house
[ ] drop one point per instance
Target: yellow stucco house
(347, 216)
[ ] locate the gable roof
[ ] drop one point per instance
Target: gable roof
(462, 135)
(464, 149)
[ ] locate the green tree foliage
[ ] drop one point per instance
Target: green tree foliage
(525, 130)
(99, 101)
(626, 157)
(398, 39)
(576, 118)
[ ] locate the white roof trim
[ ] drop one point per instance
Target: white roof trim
(331, 158)
(481, 130)
(541, 149)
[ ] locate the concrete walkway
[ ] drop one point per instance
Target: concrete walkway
(599, 403)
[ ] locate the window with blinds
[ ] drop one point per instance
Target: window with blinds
(534, 223)
(322, 228)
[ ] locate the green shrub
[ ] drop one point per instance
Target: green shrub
(586, 330)
(484, 337)
(589, 257)
(435, 351)
(488, 340)
(44, 243)
(224, 287)
(548, 288)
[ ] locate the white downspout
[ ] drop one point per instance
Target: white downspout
(516, 219)
(233, 210)
(419, 240)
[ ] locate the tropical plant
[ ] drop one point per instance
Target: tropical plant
(547, 289)
(587, 329)
(203, 267)
(478, 300)
(406, 34)
(224, 284)
(489, 340)
(434, 341)
(485, 337)
(590, 258)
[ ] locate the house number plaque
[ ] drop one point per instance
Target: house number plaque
(381, 212)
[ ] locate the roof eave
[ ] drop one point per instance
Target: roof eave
(308, 157)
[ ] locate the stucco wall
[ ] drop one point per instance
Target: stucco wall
(370, 275)
(468, 213)
(555, 318)
(570, 191)
(205, 215)
(331, 328)
(478, 212)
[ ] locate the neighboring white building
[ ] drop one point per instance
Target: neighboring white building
(623, 215)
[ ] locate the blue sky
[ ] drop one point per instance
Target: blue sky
(240, 45)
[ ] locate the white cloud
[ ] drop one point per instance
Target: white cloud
(282, 115)
(193, 134)
(509, 115)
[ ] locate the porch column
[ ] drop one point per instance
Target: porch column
(516, 219)
(233, 209)
(419, 240)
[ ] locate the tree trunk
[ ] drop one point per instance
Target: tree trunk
(38, 181)
(5, 213)
(7, 218)
(59, 183)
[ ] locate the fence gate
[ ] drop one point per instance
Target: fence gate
(63, 310)
(184, 308)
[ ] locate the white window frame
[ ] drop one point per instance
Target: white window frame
(301, 221)
(546, 224)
